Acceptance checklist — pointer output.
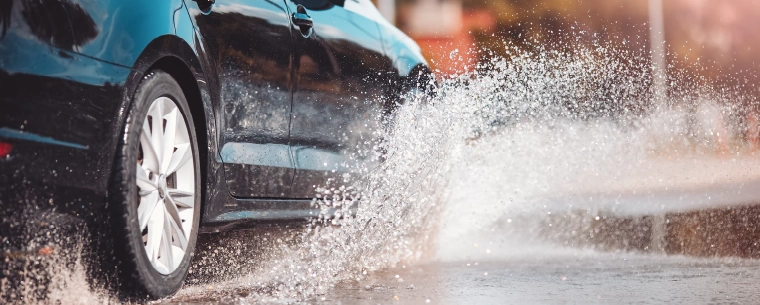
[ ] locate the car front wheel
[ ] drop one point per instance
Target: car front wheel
(155, 204)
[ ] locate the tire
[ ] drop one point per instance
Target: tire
(131, 194)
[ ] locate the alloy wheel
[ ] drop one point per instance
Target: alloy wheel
(166, 182)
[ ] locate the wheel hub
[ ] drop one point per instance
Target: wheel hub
(162, 186)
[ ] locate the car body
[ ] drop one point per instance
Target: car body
(276, 105)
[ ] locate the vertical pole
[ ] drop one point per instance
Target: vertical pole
(657, 39)
(660, 91)
(388, 9)
(657, 242)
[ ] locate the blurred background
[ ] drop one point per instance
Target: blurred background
(713, 40)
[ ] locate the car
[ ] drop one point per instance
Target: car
(144, 122)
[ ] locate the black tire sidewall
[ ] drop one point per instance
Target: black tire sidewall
(137, 276)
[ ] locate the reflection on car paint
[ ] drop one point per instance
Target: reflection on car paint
(260, 170)
(273, 155)
(8, 133)
(124, 31)
(267, 215)
(309, 158)
(342, 79)
(249, 43)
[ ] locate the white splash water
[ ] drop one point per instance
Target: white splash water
(511, 139)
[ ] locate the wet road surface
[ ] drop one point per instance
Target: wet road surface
(565, 277)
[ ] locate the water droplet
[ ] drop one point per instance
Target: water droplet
(453, 54)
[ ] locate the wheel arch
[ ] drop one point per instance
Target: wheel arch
(184, 76)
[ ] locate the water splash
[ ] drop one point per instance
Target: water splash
(511, 139)
(503, 145)
(506, 142)
(54, 272)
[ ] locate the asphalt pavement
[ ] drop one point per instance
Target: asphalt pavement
(558, 276)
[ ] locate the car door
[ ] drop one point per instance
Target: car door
(250, 44)
(340, 81)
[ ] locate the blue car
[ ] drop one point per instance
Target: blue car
(151, 121)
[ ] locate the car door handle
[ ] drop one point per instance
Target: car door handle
(301, 19)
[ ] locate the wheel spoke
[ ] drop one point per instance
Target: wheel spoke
(176, 223)
(146, 208)
(183, 199)
(157, 130)
(150, 158)
(155, 231)
(173, 213)
(170, 133)
(166, 244)
(143, 182)
(180, 236)
(179, 158)
(180, 193)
